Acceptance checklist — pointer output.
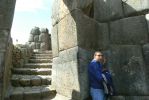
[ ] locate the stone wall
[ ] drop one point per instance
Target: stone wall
(20, 55)
(119, 28)
(6, 17)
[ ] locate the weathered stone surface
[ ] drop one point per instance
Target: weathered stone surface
(44, 30)
(54, 38)
(61, 97)
(32, 95)
(77, 30)
(136, 97)
(1, 20)
(106, 10)
(62, 7)
(146, 53)
(146, 57)
(6, 17)
(117, 98)
(38, 65)
(36, 38)
(40, 40)
(134, 7)
(72, 73)
(31, 38)
(17, 95)
(8, 12)
(44, 46)
(44, 37)
(35, 31)
(32, 45)
(82, 31)
(36, 81)
(127, 31)
(147, 19)
(15, 81)
(128, 70)
(4, 33)
(37, 45)
(25, 81)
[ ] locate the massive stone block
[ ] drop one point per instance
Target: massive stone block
(2, 44)
(70, 69)
(54, 38)
(134, 7)
(147, 19)
(63, 7)
(146, 53)
(128, 70)
(8, 13)
(1, 20)
(132, 30)
(106, 10)
(146, 58)
(1, 63)
(78, 29)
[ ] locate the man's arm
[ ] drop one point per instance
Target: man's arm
(96, 72)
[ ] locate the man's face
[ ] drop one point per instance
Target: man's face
(98, 56)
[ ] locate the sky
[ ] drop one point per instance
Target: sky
(28, 14)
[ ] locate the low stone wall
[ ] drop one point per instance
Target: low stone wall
(21, 54)
(40, 39)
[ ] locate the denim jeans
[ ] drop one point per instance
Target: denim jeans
(97, 94)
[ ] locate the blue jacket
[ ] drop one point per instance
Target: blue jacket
(95, 75)
(109, 82)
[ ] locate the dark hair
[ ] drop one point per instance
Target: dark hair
(97, 52)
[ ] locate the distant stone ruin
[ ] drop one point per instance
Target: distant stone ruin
(40, 39)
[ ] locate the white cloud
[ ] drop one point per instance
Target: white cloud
(29, 5)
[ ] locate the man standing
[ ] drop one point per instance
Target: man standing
(95, 77)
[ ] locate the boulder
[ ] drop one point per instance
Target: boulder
(147, 19)
(72, 73)
(127, 31)
(146, 53)
(76, 29)
(107, 10)
(54, 40)
(128, 69)
(63, 7)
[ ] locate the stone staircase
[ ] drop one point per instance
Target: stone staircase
(33, 81)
